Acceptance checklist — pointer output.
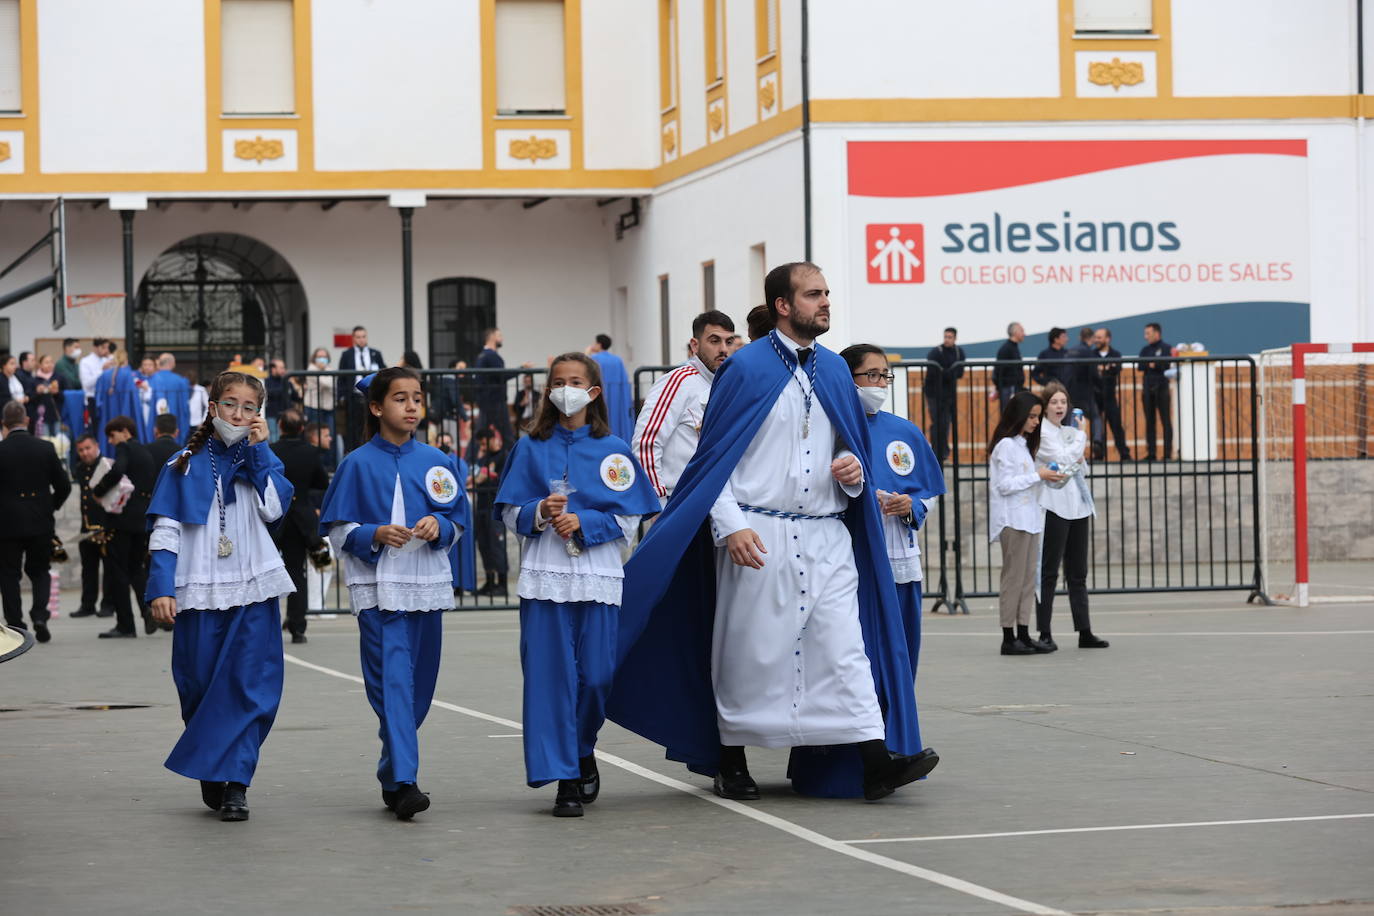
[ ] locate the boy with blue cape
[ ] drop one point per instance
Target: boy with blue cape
(616, 390)
(171, 393)
(116, 395)
(776, 625)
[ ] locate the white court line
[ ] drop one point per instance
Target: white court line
(786, 826)
(984, 634)
(988, 836)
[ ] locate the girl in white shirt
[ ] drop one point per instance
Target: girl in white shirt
(1014, 516)
(1068, 508)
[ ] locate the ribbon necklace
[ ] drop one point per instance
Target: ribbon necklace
(226, 546)
(809, 370)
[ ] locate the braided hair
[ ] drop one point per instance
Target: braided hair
(222, 382)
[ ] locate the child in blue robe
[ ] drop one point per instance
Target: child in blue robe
(392, 512)
(574, 495)
(215, 572)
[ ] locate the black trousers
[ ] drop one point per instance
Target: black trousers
(293, 554)
(126, 567)
(32, 557)
(491, 537)
(1110, 408)
(1067, 541)
(941, 414)
(1155, 396)
(91, 561)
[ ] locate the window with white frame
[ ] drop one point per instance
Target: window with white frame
(11, 55)
(715, 41)
(530, 75)
(766, 28)
(708, 286)
(1113, 17)
(258, 57)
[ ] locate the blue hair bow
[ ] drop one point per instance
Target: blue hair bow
(364, 383)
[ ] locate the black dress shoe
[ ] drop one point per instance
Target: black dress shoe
(410, 801)
(1048, 641)
(298, 638)
(1086, 640)
(899, 770)
(389, 799)
(41, 633)
(105, 612)
(234, 807)
(566, 803)
(117, 633)
(212, 793)
(83, 612)
(1016, 647)
(149, 625)
(736, 783)
(589, 786)
(1039, 646)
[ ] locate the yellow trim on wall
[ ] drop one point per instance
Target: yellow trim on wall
(667, 99)
(887, 111)
(766, 61)
(570, 120)
(739, 142)
(27, 119)
(716, 89)
(1162, 46)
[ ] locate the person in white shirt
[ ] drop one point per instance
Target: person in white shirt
(1014, 516)
(91, 366)
(1068, 507)
(669, 423)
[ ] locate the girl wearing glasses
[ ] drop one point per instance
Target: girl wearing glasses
(215, 571)
(391, 513)
(906, 477)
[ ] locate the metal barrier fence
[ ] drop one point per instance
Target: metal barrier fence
(458, 404)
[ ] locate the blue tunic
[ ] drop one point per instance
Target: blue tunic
(116, 395)
(171, 394)
(619, 396)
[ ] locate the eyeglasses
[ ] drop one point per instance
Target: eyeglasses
(251, 410)
(873, 375)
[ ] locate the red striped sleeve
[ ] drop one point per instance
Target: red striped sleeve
(660, 413)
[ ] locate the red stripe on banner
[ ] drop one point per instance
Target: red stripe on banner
(646, 452)
(932, 168)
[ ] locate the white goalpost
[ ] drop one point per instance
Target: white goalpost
(1316, 476)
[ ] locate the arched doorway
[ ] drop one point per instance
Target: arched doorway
(212, 296)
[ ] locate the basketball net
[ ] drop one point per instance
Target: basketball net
(104, 313)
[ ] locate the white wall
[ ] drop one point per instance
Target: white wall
(741, 55)
(1263, 47)
(691, 69)
(620, 84)
(398, 84)
(121, 85)
(935, 49)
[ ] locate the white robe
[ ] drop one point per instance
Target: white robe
(787, 656)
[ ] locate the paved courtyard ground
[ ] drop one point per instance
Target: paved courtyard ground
(1217, 759)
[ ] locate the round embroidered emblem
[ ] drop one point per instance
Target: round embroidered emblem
(900, 458)
(441, 484)
(617, 472)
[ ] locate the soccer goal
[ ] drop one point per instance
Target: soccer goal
(1316, 473)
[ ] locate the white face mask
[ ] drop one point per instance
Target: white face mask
(570, 400)
(76, 352)
(322, 360)
(228, 432)
(873, 399)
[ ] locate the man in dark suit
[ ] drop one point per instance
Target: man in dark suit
(1007, 378)
(303, 465)
(33, 486)
(1108, 405)
(1155, 390)
(490, 534)
(1049, 364)
(491, 389)
(940, 390)
(95, 533)
(362, 360)
(164, 446)
(126, 556)
(1083, 385)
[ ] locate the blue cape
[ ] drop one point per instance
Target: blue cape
(923, 478)
(363, 486)
(663, 688)
(462, 556)
(615, 389)
(582, 458)
(171, 394)
(187, 496)
(116, 395)
(74, 411)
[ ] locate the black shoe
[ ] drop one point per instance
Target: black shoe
(1016, 647)
(234, 807)
(736, 783)
(389, 799)
(149, 625)
(1086, 640)
(166, 627)
(117, 633)
(897, 772)
(1048, 642)
(566, 803)
(410, 801)
(212, 793)
(105, 612)
(589, 786)
(40, 632)
(83, 612)
(488, 588)
(298, 638)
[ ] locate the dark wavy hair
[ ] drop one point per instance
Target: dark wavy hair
(1014, 421)
(380, 387)
(541, 427)
(217, 387)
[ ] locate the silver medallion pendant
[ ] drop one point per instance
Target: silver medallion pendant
(806, 428)
(226, 546)
(573, 548)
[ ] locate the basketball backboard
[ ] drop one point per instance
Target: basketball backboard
(58, 219)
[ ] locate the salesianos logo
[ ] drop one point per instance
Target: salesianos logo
(896, 253)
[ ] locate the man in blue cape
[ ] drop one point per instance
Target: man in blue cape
(171, 394)
(116, 395)
(615, 388)
(777, 624)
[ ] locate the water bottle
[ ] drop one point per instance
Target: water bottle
(1054, 466)
(1078, 416)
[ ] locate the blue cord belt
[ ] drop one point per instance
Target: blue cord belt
(790, 516)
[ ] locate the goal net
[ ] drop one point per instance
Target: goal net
(1316, 474)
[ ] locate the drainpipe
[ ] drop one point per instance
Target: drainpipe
(806, 122)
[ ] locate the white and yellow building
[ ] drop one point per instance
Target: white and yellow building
(570, 167)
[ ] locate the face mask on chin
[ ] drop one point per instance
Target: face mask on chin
(228, 432)
(570, 400)
(873, 399)
(76, 353)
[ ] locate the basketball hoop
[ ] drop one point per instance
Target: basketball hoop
(104, 313)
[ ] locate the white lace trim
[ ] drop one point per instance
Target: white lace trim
(906, 569)
(402, 596)
(554, 585)
(266, 585)
(165, 537)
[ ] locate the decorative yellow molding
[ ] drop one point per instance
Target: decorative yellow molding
(4, 151)
(534, 149)
(715, 118)
(767, 95)
(1116, 74)
(669, 141)
(258, 149)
